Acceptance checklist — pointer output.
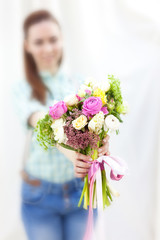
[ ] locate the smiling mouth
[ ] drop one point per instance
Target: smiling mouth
(48, 58)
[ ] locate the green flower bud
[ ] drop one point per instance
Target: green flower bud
(122, 108)
(111, 104)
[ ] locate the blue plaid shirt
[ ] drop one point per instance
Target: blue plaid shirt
(50, 165)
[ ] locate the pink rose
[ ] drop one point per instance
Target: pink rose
(58, 110)
(91, 106)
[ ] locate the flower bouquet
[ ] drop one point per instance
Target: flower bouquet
(80, 123)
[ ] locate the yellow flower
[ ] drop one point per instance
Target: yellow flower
(79, 122)
(100, 93)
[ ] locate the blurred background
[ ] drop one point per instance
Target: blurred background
(101, 36)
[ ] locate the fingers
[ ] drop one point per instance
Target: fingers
(81, 167)
(82, 164)
(104, 150)
(106, 139)
(81, 156)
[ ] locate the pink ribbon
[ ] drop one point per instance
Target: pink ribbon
(91, 176)
(119, 167)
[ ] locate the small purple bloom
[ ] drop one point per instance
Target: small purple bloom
(77, 138)
(104, 110)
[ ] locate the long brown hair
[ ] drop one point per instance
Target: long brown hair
(38, 88)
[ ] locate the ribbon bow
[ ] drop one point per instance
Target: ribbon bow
(118, 170)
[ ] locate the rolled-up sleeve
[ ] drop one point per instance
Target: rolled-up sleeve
(24, 105)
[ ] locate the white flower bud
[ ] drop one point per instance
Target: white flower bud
(71, 100)
(112, 123)
(105, 86)
(58, 130)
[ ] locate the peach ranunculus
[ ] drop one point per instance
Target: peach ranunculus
(79, 122)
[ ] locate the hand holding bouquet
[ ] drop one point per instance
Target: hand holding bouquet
(80, 123)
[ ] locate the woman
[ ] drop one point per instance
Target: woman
(52, 180)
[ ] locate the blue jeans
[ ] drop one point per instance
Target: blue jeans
(50, 211)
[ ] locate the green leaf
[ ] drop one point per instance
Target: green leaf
(115, 90)
(68, 147)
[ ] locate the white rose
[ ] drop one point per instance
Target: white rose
(105, 86)
(82, 89)
(111, 123)
(71, 100)
(91, 82)
(96, 123)
(59, 135)
(58, 130)
(57, 123)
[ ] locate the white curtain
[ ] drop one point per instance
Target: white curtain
(101, 36)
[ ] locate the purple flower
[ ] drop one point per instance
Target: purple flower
(104, 110)
(91, 106)
(79, 139)
(58, 110)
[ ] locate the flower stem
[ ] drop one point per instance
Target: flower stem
(83, 191)
(86, 193)
(108, 193)
(104, 188)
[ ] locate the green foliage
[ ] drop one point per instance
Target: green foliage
(111, 104)
(102, 135)
(88, 150)
(44, 132)
(117, 115)
(67, 147)
(117, 131)
(108, 193)
(115, 90)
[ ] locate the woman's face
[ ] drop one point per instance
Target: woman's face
(44, 43)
